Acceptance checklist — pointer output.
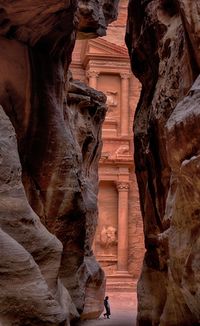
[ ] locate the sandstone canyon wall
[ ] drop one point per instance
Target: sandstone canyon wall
(50, 141)
(163, 37)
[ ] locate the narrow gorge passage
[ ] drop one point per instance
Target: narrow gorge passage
(99, 158)
(123, 312)
(103, 64)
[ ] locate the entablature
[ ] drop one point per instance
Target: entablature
(116, 172)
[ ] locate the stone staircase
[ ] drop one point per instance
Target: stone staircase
(120, 282)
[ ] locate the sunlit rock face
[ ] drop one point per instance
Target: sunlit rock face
(50, 142)
(163, 38)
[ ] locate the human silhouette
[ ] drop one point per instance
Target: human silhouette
(107, 307)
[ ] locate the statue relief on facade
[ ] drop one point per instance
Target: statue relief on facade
(122, 150)
(108, 236)
(112, 101)
(111, 98)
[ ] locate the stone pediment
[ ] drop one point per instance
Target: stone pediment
(100, 48)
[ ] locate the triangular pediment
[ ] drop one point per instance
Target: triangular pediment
(100, 47)
(92, 49)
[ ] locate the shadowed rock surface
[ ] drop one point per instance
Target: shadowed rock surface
(50, 146)
(93, 19)
(30, 255)
(163, 38)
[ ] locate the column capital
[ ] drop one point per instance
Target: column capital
(92, 73)
(122, 185)
(125, 75)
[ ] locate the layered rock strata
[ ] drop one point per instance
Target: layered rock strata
(163, 37)
(50, 145)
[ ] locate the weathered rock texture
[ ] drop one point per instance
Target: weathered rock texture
(163, 38)
(85, 115)
(49, 172)
(94, 16)
(30, 255)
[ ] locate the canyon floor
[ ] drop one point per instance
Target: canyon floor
(123, 311)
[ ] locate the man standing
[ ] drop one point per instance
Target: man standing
(107, 307)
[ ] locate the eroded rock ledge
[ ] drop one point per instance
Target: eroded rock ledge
(50, 142)
(163, 37)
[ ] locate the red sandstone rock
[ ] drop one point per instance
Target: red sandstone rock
(58, 146)
(84, 116)
(30, 255)
(94, 16)
(105, 65)
(163, 41)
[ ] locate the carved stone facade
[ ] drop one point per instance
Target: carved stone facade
(118, 244)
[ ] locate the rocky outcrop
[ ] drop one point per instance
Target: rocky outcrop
(30, 255)
(49, 171)
(84, 116)
(93, 19)
(163, 38)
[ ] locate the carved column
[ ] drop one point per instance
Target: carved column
(92, 77)
(122, 251)
(124, 112)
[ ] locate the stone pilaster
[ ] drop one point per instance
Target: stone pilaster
(124, 112)
(122, 251)
(92, 77)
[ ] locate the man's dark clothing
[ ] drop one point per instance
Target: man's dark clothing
(107, 307)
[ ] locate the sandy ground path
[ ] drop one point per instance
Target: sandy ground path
(123, 311)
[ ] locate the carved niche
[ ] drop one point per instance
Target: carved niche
(112, 100)
(108, 236)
